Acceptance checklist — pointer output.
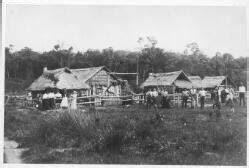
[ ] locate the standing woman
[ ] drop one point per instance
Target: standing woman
(74, 101)
(64, 102)
(45, 100)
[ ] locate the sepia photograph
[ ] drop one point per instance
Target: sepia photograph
(125, 84)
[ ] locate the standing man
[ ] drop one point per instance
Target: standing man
(193, 97)
(242, 91)
(154, 95)
(229, 99)
(51, 97)
(216, 104)
(202, 97)
(58, 98)
(164, 101)
(219, 93)
(184, 98)
(148, 98)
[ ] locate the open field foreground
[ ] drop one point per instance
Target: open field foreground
(130, 135)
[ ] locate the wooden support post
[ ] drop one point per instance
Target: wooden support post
(108, 80)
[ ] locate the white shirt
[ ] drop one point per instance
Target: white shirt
(242, 89)
(185, 93)
(193, 91)
(45, 96)
(202, 93)
(51, 95)
(219, 92)
(58, 95)
(154, 93)
(164, 93)
(226, 90)
(149, 93)
(230, 95)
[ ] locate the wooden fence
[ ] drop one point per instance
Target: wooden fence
(97, 100)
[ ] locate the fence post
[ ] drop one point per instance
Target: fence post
(178, 100)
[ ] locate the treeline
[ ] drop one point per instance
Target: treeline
(26, 64)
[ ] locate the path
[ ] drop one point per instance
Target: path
(12, 154)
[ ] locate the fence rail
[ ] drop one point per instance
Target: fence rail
(100, 100)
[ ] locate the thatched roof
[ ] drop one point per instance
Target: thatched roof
(183, 84)
(178, 78)
(62, 78)
(65, 78)
(214, 81)
(196, 81)
(86, 73)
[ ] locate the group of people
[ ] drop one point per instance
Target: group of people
(50, 98)
(53, 98)
(197, 97)
(156, 97)
(194, 96)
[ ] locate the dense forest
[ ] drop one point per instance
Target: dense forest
(25, 65)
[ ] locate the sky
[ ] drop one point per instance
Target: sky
(40, 27)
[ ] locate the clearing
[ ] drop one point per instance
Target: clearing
(130, 135)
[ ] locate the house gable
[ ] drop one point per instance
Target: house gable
(100, 78)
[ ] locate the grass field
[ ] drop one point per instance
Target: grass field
(129, 135)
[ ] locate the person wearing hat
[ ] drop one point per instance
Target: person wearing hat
(242, 91)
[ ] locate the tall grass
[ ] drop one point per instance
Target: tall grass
(134, 136)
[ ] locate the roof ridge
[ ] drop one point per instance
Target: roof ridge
(87, 68)
(168, 72)
(214, 76)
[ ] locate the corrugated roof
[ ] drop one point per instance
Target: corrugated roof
(212, 81)
(196, 81)
(162, 79)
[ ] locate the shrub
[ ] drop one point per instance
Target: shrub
(143, 129)
(63, 130)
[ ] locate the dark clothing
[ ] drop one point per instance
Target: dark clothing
(164, 99)
(45, 104)
(223, 96)
(58, 100)
(213, 94)
(184, 101)
(202, 100)
(242, 98)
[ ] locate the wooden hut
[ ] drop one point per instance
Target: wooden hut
(196, 81)
(211, 82)
(172, 81)
(87, 81)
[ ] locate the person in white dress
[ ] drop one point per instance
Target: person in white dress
(64, 102)
(74, 101)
